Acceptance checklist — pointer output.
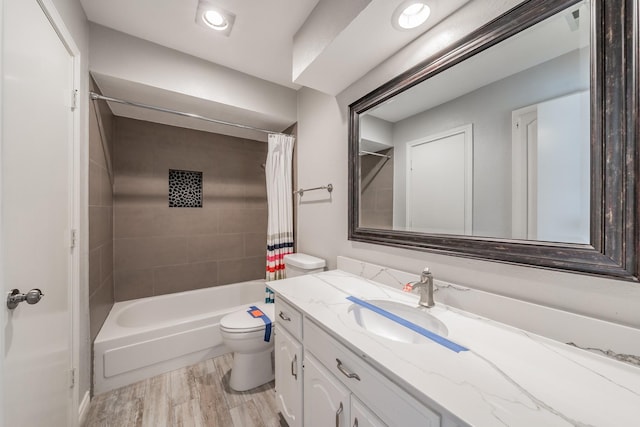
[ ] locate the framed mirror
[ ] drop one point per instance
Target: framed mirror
(517, 144)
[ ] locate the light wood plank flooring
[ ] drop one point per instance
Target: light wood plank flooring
(197, 395)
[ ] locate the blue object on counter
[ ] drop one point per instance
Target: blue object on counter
(256, 313)
(419, 329)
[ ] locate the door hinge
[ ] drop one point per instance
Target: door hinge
(72, 378)
(73, 237)
(74, 99)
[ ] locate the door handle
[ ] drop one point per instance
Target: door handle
(338, 412)
(15, 297)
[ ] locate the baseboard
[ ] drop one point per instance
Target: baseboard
(83, 410)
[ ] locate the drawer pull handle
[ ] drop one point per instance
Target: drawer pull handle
(284, 317)
(338, 412)
(355, 423)
(345, 372)
(294, 367)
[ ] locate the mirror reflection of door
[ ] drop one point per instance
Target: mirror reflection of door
(550, 170)
(439, 182)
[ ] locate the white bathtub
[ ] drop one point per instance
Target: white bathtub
(149, 336)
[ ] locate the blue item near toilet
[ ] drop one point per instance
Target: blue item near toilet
(256, 313)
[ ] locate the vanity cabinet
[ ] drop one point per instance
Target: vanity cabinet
(392, 405)
(288, 366)
(361, 416)
(326, 400)
(320, 382)
(288, 363)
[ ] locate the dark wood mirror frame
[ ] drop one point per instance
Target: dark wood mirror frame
(615, 126)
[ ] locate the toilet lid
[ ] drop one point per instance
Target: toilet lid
(241, 321)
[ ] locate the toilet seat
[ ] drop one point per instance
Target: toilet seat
(241, 322)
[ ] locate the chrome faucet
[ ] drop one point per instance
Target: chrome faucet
(426, 288)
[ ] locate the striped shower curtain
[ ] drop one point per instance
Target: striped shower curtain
(280, 206)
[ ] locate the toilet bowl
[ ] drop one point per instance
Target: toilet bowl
(246, 336)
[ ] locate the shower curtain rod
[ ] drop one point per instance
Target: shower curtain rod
(96, 96)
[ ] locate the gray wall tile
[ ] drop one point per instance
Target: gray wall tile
(94, 270)
(177, 249)
(179, 278)
(100, 303)
(240, 270)
(140, 253)
(133, 284)
(215, 247)
(255, 244)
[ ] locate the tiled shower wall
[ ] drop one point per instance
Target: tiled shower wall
(100, 215)
(160, 250)
(376, 210)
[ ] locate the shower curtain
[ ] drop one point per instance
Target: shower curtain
(280, 206)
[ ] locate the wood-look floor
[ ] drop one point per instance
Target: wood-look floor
(197, 395)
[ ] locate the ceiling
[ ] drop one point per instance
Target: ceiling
(260, 43)
(548, 39)
(334, 40)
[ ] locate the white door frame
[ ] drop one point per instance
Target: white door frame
(523, 176)
(75, 162)
(467, 131)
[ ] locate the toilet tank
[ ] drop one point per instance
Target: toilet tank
(300, 264)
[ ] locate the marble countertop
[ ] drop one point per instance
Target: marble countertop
(508, 377)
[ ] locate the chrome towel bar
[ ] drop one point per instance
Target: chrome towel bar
(328, 187)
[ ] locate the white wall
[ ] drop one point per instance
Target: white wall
(121, 56)
(322, 224)
(77, 24)
(563, 169)
(375, 134)
(489, 110)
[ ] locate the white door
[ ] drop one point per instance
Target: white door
(524, 153)
(440, 183)
(36, 216)
(289, 377)
(326, 400)
(551, 170)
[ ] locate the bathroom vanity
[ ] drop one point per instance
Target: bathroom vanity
(335, 365)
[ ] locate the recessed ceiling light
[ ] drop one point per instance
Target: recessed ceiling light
(215, 20)
(210, 16)
(410, 14)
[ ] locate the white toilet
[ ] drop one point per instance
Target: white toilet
(246, 335)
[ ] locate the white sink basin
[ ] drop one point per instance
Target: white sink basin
(382, 326)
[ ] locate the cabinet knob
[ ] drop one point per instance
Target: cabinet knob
(338, 412)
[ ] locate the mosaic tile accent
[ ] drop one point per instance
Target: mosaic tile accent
(185, 189)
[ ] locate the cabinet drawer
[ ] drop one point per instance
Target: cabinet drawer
(289, 318)
(393, 405)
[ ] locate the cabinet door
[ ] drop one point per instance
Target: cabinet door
(289, 377)
(326, 400)
(361, 416)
